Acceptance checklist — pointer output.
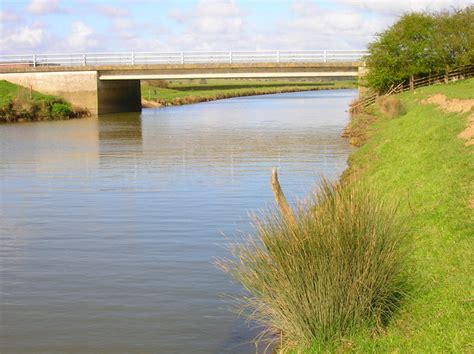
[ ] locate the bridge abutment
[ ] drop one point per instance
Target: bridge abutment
(83, 89)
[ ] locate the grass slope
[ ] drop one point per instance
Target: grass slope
(211, 89)
(9, 91)
(18, 104)
(417, 157)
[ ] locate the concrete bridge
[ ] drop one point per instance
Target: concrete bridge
(110, 83)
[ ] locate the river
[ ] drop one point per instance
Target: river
(109, 225)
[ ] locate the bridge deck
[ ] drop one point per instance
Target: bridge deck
(330, 66)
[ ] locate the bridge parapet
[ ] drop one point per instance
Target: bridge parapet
(181, 58)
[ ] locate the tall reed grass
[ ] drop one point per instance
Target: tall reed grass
(340, 267)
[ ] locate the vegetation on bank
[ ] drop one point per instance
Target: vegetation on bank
(362, 121)
(419, 158)
(193, 91)
(421, 44)
(18, 104)
(340, 279)
(341, 266)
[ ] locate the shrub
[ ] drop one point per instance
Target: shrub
(390, 106)
(7, 112)
(339, 268)
(61, 110)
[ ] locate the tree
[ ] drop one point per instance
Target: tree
(453, 39)
(421, 43)
(405, 49)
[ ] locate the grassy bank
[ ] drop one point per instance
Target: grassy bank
(193, 91)
(18, 104)
(419, 158)
(340, 279)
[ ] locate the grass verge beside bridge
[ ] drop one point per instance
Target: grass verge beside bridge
(20, 104)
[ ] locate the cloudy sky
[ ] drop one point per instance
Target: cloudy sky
(49, 26)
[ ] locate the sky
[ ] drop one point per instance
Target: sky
(77, 26)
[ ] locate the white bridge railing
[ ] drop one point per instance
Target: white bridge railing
(153, 58)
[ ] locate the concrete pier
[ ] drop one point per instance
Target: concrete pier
(119, 96)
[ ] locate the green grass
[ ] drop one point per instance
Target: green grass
(19, 103)
(296, 275)
(460, 89)
(418, 158)
(9, 91)
(214, 89)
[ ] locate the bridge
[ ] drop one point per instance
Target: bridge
(110, 82)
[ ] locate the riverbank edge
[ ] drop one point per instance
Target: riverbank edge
(20, 117)
(368, 130)
(180, 101)
(21, 105)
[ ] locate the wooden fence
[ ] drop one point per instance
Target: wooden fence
(420, 81)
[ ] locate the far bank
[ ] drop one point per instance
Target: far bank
(181, 92)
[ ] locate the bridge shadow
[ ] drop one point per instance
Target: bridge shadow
(253, 85)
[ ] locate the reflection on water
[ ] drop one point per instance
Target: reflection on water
(109, 225)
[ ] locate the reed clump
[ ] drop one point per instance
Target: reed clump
(339, 267)
(390, 106)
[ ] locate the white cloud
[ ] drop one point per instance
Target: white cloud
(399, 6)
(311, 26)
(211, 17)
(43, 7)
(112, 11)
(214, 25)
(82, 37)
(24, 38)
(211, 25)
(8, 16)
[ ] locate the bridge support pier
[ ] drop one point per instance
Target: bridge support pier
(83, 89)
(119, 96)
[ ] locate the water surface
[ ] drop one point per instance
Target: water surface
(109, 225)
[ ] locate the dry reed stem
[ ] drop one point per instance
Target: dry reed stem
(280, 199)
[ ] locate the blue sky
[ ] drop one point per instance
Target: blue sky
(56, 26)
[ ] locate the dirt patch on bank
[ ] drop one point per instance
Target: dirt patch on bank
(456, 106)
(150, 104)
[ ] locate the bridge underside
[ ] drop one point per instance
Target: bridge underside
(267, 75)
(112, 89)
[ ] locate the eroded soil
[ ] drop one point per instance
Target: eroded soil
(457, 106)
